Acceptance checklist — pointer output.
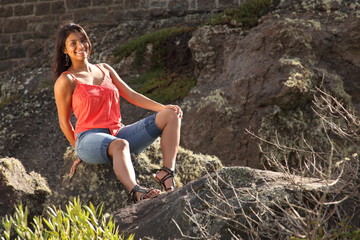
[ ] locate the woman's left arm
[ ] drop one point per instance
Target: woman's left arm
(136, 98)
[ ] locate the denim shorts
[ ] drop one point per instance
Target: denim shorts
(91, 145)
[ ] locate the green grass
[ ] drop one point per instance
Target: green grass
(143, 78)
(157, 83)
(247, 15)
(156, 38)
(77, 222)
(165, 88)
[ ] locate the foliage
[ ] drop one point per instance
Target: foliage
(247, 15)
(139, 44)
(157, 83)
(164, 88)
(77, 222)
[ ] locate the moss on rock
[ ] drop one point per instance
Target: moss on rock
(166, 88)
(164, 70)
(156, 39)
(239, 176)
(98, 183)
(217, 99)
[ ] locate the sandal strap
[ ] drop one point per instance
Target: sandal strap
(169, 174)
(140, 189)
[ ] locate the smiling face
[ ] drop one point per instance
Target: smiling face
(77, 46)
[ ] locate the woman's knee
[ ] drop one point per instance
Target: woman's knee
(166, 116)
(118, 145)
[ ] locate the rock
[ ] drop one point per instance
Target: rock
(98, 183)
(262, 79)
(18, 186)
(244, 78)
(185, 209)
(178, 5)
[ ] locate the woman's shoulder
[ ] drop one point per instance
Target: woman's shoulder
(104, 66)
(65, 79)
(108, 70)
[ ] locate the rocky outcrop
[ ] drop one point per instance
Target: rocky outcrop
(263, 79)
(98, 183)
(245, 78)
(215, 206)
(19, 186)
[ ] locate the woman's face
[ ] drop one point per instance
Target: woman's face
(76, 46)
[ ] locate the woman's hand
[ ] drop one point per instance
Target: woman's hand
(73, 167)
(176, 108)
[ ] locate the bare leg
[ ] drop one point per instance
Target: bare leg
(170, 123)
(119, 151)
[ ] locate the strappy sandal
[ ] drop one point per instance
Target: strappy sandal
(140, 189)
(169, 174)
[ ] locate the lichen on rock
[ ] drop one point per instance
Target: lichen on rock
(299, 76)
(19, 186)
(217, 100)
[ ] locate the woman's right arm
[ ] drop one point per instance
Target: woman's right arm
(63, 94)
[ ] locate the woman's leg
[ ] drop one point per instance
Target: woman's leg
(119, 151)
(170, 124)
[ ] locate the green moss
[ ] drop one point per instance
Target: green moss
(239, 176)
(157, 83)
(163, 87)
(143, 78)
(189, 165)
(139, 44)
(247, 15)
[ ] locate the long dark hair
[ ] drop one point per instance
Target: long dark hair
(59, 57)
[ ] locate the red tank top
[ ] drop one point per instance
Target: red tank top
(96, 106)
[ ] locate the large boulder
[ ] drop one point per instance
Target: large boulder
(98, 183)
(262, 79)
(245, 78)
(19, 186)
(224, 204)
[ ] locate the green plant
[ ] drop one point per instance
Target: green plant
(157, 83)
(156, 38)
(164, 87)
(77, 222)
(246, 15)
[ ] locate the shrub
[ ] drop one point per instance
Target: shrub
(77, 222)
(156, 38)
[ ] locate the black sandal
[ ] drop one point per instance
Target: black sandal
(143, 190)
(169, 174)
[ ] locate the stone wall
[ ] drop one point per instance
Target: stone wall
(25, 23)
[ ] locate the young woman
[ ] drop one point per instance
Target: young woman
(92, 92)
